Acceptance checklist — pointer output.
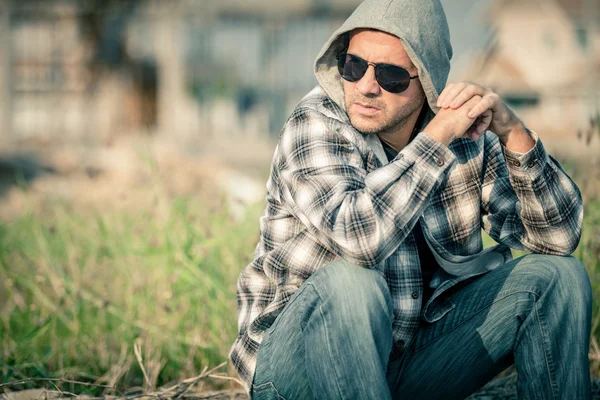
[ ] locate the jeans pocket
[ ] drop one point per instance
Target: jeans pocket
(265, 391)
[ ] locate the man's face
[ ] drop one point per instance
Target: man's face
(372, 109)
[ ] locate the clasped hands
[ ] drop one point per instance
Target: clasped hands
(468, 109)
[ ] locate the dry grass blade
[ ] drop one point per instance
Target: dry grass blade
(595, 354)
(180, 389)
(118, 370)
(219, 396)
(204, 370)
(187, 384)
(58, 390)
(59, 380)
(227, 378)
(61, 393)
(138, 356)
(595, 346)
(206, 373)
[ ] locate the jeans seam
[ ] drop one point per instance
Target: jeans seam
(327, 337)
(268, 385)
(546, 353)
(467, 319)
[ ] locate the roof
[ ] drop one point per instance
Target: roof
(530, 35)
(575, 8)
(284, 8)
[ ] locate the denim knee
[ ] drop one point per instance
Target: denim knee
(568, 273)
(353, 290)
(573, 274)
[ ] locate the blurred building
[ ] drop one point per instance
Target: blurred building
(544, 59)
(79, 70)
(90, 70)
(65, 73)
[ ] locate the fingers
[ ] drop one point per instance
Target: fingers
(467, 93)
(455, 95)
(488, 102)
(471, 109)
(479, 124)
(449, 93)
(470, 104)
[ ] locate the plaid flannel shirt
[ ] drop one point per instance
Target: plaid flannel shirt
(329, 196)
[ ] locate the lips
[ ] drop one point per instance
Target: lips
(365, 108)
(366, 105)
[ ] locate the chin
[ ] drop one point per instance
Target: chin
(365, 125)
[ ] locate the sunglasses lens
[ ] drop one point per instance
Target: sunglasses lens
(351, 68)
(392, 78)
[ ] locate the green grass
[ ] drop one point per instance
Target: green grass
(589, 253)
(78, 289)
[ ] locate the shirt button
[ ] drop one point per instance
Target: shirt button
(439, 161)
(415, 295)
(516, 163)
(530, 164)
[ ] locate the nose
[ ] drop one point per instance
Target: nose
(367, 85)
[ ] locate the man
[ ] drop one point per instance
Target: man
(370, 280)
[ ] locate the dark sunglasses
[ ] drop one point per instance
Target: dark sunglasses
(391, 78)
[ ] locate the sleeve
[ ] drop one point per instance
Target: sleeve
(362, 217)
(528, 201)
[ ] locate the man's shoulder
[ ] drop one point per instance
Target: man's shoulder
(319, 124)
(320, 105)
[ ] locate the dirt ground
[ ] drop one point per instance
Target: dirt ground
(122, 173)
(129, 173)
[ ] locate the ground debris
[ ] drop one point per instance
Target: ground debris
(43, 394)
(499, 389)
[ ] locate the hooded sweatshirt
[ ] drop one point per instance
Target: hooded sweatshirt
(423, 32)
(332, 194)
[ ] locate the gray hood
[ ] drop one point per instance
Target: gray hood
(422, 28)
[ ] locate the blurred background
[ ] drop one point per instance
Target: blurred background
(135, 142)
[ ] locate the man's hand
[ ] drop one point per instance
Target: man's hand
(503, 120)
(450, 124)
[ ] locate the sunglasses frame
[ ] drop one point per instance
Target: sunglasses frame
(384, 85)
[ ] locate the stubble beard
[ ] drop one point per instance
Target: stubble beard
(388, 123)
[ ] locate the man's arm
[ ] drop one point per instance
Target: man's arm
(528, 200)
(519, 140)
(530, 203)
(363, 217)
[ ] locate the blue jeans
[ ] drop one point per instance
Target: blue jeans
(333, 339)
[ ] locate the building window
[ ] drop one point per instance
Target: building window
(517, 101)
(582, 37)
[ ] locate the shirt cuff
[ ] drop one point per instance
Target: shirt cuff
(531, 163)
(435, 157)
